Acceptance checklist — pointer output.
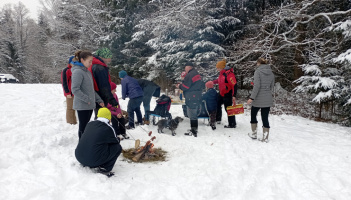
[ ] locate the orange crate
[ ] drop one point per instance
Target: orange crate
(235, 110)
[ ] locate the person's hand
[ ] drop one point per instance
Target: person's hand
(102, 104)
(120, 137)
(177, 85)
(69, 96)
(119, 115)
(249, 101)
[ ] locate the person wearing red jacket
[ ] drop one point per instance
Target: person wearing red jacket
(101, 77)
(66, 81)
(227, 91)
(192, 86)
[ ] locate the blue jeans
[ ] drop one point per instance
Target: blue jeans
(134, 106)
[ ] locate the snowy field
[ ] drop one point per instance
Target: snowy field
(303, 160)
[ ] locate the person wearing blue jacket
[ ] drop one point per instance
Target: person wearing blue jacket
(132, 89)
(211, 103)
(150, 89)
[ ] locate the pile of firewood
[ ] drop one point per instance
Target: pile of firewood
(146, 153)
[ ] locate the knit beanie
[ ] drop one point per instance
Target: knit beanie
(104, 113)
(122, 74)
(221, 64)
(183, 74)
(104, 53)
(70, 59)
(113, 86)
(209, 84)
(189, 64)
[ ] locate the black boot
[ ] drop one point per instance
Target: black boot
(194, 125)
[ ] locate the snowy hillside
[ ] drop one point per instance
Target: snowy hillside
(303, 160)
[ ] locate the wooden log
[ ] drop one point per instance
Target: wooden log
(141, 154)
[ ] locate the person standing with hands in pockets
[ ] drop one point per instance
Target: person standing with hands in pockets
(261, 97)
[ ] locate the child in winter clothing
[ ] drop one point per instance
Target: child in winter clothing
(117, 119)
(211, 102)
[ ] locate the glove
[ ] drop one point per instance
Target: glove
(120, 137)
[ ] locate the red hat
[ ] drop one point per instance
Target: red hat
(209, 84)
(113, 86)
(183, 74)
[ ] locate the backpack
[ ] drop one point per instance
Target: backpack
(163, 105)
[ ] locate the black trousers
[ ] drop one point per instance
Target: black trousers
(227, 101)
(110, 163)
(119, 125)
(84, 118)
(264, 115)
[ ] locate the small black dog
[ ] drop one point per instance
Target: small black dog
(171, 124)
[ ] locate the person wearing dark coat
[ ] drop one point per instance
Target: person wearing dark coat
(211, 103)
(101, 77)
(132, 89)
(99, 147)
(227, 91)
(150, 89)
(261, 97)
(66, 80)
(192, 86)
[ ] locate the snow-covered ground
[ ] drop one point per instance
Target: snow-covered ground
(303, 160)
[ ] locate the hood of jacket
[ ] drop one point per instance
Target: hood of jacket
(98, 61)
(265, 69)
(78, 67)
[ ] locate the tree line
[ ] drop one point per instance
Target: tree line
(307, 42)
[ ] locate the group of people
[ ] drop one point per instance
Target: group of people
(88, 88)
(261, 97)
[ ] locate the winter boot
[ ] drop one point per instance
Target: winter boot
(125, 136)
(265, 134)
(189, 133)
(193, 130)
(103, 171)
(253, 134)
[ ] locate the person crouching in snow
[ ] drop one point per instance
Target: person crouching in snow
(99, 146)
(211, 103)
(117, 119)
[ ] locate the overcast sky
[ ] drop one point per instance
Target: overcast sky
(32, 5)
